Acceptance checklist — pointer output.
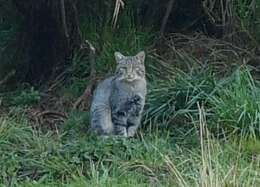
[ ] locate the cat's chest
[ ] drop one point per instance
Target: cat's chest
(131, 88)
(125, 90)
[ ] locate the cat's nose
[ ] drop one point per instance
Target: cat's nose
(130, 76)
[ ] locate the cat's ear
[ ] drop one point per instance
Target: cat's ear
(119, 57)
(141, 56)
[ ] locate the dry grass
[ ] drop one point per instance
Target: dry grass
(119, 4)
(190, 51)
(212, 170)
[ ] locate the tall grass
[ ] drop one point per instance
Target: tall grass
(177, 95)
(237, 103)
(216, 165)
(232, 103)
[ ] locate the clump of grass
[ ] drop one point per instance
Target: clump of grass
(77, 122)
(236, 104)
(21, 97)
(232, 102)
(27, 97)
(178, 95)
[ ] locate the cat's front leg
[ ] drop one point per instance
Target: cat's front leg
(120, 131)
(133, 124)
(135, 105)
(134, 120)
(119, 120)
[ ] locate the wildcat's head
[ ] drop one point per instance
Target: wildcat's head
(130, 68)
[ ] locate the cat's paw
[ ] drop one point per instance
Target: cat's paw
(136, 99)
(132, 106)
(120, 131)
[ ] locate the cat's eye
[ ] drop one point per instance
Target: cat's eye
(121, 70)
(139, 71)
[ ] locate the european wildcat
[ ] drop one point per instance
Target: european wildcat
(119, 100)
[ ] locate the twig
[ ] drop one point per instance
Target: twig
(92, 53)
(166, 16)
(49, 112)
(58, 80)
(87, 93)
(119, 3)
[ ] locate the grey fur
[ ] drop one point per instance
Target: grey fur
(119, 100)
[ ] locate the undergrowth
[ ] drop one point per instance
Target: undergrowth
(179, 149)
(179, 144)
(232, 103)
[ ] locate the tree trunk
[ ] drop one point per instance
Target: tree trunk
(49, 34)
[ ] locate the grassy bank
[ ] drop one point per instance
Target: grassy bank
(162, 157)
(201, 123)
